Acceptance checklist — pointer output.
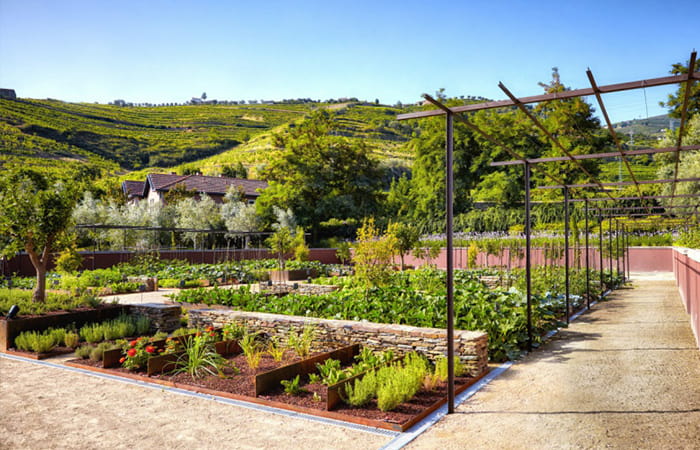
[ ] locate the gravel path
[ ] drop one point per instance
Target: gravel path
(51, 408)
(625, 375)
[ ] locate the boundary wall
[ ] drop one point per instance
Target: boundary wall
(686, 270)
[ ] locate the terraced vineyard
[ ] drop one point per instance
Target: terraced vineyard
(42, 132)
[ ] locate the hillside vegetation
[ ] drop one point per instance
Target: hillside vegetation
(114, 138)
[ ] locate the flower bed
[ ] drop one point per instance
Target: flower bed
(265, 384)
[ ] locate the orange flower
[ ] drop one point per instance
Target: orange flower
(121, 360)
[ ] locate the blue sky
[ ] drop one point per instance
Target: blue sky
(170, 51)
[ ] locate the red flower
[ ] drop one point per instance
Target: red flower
(121, 360)
(131, 353)
(212, 334)
(150, 349)
(133, 343)
(209, 328)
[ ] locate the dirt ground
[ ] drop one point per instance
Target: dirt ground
(626, 375)
(51, 408)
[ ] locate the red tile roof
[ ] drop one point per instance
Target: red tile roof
(133, 188)
(204, 184)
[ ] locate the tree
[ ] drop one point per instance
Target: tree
(319, 175)
(35, 213)
(283, 242)
(203, 215)
(405, 237)
(235, 171)
(675, 100)
(239, 216)
(373, 255)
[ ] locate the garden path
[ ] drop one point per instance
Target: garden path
(51, 407)
(624, 375)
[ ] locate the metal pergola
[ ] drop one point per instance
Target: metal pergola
(458, 112)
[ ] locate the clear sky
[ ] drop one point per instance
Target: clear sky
(169, 51)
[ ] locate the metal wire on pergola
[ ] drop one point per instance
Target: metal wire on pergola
(451, 113)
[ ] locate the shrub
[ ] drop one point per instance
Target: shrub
(71, 339)
(143, 324)
(36, 341)
(275, 350)
(251, 350)
(84, 351)
(362, 391)
(291, 387)
(97, 353)
(200, 359)
(301, 343)
(92, 333)
(137, 353)
(232, 331)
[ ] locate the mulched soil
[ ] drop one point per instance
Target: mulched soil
(241, 382)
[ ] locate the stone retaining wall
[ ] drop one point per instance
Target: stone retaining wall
(301, 288)
(163, 317)
(470, 346)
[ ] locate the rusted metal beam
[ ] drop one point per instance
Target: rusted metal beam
(646, 151)
(496, 142)
(684, 116)
(652, 82)
(646, 197)
(620, 183)
(613, 134)
(625, 208)
(551, 137)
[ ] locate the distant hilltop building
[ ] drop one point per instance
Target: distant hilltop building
(158, 184)
(8, 94)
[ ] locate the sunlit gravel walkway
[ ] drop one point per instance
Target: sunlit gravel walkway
(625, 375)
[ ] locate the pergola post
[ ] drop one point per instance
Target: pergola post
(566, 252)
(600, 252)
(528, 262)
(610, 247)
(449, 123)
(588, 280)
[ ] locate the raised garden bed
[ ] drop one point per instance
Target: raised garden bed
(262, 386)
(10, 329)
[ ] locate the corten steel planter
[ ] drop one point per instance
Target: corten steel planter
(270, 380)
(9, 329)
(38, 356)
(292, 275)
(262, 401)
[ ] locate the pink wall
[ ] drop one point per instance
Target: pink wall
(642, 259)
(686, 268)
(100, 260)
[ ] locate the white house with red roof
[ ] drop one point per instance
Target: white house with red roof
(158, 184)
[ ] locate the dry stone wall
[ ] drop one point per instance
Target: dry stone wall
(163, 317)
(470, 346)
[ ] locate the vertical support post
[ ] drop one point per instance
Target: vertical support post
(610, 248)
(600, 253)
(588, 274)
(566, 252)
(622, 252)
(627, 252)
(617, 248)
(528, 261)
(450, 265)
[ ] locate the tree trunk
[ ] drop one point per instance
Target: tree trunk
(39, 263)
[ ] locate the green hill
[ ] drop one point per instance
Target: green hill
(124, 139)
